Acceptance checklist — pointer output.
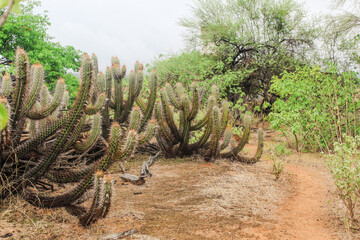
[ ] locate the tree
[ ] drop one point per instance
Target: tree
(262, 37)
(187, 67)
(349, 20)
(340, 35)
(336, 48)
(29, 30)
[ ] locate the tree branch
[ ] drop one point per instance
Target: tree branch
(5, 15)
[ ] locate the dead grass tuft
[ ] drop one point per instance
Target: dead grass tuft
(250, 191)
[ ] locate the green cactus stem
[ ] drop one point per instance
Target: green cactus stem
(106, 113)
(244, 139)
(174, 135)
(256, 158)
(90, 216)
(148, 109)
(86, 182)
(86, 75)
(22, 68)
(6, 85)
(148, 133)
(47, 110)
(92, 109)
(36, 77)
(94, 134)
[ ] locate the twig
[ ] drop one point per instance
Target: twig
(120, 235)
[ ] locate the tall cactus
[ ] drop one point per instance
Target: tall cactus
(122, 103)
(215, 136)
(60, 141)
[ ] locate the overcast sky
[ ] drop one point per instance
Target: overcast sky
(129, 29)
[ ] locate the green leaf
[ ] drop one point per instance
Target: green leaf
(4, 118)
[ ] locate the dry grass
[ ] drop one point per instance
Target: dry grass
(249, 190)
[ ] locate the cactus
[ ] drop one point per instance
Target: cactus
(60, 142)
(100, 204)
(122, 104)
(174, 134)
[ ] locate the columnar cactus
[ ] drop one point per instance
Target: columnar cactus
(122, 103)
(59, 141)
(215, 136)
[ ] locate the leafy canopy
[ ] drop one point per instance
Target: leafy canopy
(29, 30)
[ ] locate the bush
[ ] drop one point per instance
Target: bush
(345, 169)
(317, 108)
(277, 167)
(280, 150)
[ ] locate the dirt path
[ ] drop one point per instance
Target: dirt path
(305, 214)
(191, 200)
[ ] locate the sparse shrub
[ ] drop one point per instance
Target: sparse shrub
(281, 150)
(344, 165)
(278, 151)
(277, 167)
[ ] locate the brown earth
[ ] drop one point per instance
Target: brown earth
(191, 199)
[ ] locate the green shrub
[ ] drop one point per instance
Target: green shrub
(280, 149)
(277, 167)
(345, 168)
(316, 108)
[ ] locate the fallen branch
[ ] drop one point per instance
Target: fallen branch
(120, 235)
(145, 172)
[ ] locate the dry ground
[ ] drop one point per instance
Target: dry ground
(191, 199)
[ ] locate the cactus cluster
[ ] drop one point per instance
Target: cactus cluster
(176, 117)
(48, 144)
(45, 146)
(122, 103)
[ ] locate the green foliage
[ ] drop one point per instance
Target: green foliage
(315, 107)
(281, 150)
(186, 67)
(277, 167)
(345, 169)
(30, 31)
(254, 40)
(72, 85)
